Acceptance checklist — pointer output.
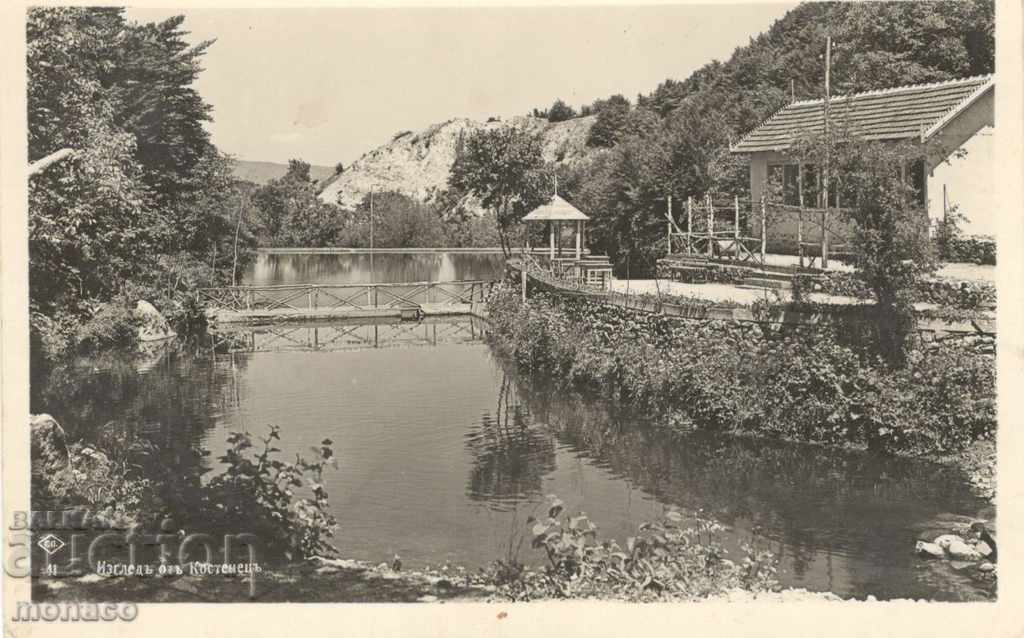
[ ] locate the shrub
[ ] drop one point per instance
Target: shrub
(818, 384)
(666, 560)
(260, 488)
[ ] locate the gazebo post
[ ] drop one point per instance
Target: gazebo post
(559, 234)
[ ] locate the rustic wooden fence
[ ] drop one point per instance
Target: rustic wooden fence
(708, 234)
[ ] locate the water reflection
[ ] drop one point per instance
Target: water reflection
(359, 268)
(511, 456)
(841, 521)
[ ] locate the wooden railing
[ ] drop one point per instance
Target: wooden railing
(555, 274)
(341, 296)
(706, 235)
(342, 335)
(815, 231)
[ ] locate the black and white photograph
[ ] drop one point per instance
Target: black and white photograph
(523, 304)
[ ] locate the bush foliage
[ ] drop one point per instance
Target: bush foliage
(802, 384)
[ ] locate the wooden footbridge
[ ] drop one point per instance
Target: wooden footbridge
(251, 303)
(348, 334)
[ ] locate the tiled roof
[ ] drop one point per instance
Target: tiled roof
(889, 114)
(556, 210)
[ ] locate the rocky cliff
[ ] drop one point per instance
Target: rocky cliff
(418, 163)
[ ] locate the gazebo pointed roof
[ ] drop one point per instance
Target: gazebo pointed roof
(556, 210)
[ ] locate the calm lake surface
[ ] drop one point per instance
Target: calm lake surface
(361, 268)
(444, 451)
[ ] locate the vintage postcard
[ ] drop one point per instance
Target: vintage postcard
(579, 318)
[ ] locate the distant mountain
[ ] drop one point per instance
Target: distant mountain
(263, 172)
(418, 163)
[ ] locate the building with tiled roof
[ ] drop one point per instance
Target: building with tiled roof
(958, 114)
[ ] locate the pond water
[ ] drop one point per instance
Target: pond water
(361, 268)
(444, 451)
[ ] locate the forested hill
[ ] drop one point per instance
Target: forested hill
(875, 45)
(675, 140)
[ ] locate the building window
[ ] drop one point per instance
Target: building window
(782, 184)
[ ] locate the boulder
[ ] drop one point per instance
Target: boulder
(929, 550)
(959, 550)
(49, 446)
(152, 325)
(946, 540)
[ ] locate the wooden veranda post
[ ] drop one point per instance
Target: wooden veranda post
(711, 225)
(800, 213)
(668, 228)
(764, 230)
(552, 227)
(689, 224)
(579, 239)
(736, 221)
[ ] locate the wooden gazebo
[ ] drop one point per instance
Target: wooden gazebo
(590, 269)
(555, 213)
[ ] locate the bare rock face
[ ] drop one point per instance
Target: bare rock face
(418, 164)
(49, 447)
(153, 326)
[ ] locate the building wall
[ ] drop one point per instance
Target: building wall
(783, 227)
(969, 180)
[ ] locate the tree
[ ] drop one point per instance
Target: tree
(890, 238)
(298, 171)
(339, 168)
(289, 213)
(401, 222)
(145, 179)
(611, 124)
(504, 169)
(560, 112)
(90, 217)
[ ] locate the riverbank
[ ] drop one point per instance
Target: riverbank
(821, 384)
(346, 581)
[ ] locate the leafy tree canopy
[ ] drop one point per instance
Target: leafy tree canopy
(504, 169)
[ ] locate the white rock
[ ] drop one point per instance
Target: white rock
(946, 540)
(153, 325)
(930, 550)
(91, 578)
(983, 549)
(986, 567)
(960, 550)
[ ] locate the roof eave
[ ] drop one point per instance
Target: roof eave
(960, 108)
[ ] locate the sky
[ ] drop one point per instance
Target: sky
(328, 84)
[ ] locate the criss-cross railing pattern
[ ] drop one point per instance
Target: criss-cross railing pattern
(349, 336)
(303, 297)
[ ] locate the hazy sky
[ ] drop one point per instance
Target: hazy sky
(327, 85)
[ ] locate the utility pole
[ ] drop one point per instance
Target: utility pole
(828, 151)
(371, 236)
(238, 226)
